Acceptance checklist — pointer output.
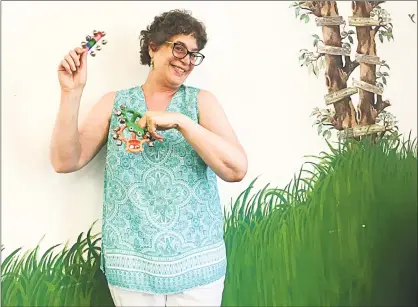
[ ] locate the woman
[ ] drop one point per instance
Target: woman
(162, 239)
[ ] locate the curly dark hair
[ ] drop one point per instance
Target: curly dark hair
(167, 25)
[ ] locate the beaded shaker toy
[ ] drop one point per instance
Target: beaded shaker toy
(92, 41)
(138, 135)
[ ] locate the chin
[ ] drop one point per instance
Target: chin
(176, 82)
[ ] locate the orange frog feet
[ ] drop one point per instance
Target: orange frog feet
(134, 145)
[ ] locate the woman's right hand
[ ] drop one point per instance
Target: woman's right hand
(72, 70)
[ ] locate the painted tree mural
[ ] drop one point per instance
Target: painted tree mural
(368, 22)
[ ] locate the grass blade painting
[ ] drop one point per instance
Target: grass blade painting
(343, 233)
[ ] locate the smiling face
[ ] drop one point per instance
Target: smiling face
(170, 64)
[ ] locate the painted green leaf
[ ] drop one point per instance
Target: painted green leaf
(319, 128)
(314, 111)
(316, 70)
(310, 68)
(321, 63)
(327, 134)
(346, 45)
(297, 11)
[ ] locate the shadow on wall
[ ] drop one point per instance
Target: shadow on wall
(343, 235)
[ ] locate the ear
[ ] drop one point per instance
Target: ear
(152, 48)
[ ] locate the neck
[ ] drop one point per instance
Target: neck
(156, 86)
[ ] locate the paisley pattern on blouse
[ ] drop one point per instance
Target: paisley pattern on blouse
(162, 217)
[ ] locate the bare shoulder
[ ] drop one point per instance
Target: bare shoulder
(100, 114)
(105, 104)
(213, 117)
(206, 97)
(110, 96)
(102, 110)
(208, 105)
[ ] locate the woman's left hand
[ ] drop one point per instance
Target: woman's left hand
(154, 120)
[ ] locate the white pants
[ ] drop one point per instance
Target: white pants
(208, 295)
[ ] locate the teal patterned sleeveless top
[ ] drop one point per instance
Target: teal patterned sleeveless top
(162, 229)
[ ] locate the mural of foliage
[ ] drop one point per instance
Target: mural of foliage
(70, 277)
(342, 233)
(333, 54)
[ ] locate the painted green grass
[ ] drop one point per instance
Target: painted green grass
(70, 277)
(345, 237)
(342, 235)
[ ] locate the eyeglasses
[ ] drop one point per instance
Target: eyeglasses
(180, 52)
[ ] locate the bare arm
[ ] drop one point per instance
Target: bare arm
(214, 139)
(73, 147)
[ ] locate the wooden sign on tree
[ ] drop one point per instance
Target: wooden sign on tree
(333, 53)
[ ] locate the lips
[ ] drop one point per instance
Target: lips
(179, 70)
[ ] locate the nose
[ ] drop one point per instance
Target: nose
(186, 60)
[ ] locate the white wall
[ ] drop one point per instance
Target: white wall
(251, 66)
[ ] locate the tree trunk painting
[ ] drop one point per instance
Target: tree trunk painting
(368, 108)
(339, 65)
(335, 72)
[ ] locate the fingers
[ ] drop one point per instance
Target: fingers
(152, 128)
(70, 62)
(73, 60)
(75, 57)
(66, 66)
(79, 50)
(149, 123)
(83, 57)
(142, 122)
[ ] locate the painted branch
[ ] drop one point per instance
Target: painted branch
(375, 3)
(368, 59)
(364, 130)
(313, 6)
(376, 29)
(349, 66)
(366, 22)
(329, 21)
(334, 50)
(339, 95)
(368, 87)
(381, 104)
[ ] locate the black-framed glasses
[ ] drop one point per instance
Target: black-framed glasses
(180, 51)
